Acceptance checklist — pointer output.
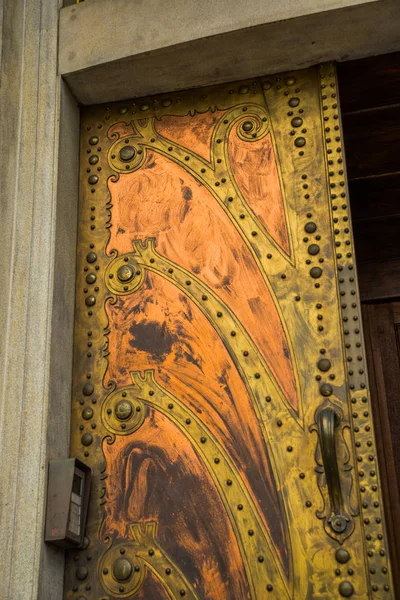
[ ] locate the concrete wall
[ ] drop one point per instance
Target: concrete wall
(38, 173)
(140, 48)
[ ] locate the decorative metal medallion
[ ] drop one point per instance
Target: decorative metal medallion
(220, 391)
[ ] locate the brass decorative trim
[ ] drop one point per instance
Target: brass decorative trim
(370, 501)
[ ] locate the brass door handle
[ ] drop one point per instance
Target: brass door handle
(328, 419)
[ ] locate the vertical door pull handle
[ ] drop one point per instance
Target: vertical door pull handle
(328, 419)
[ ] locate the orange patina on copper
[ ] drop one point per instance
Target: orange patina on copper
(158, 327)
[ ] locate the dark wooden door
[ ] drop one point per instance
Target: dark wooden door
(382, 337)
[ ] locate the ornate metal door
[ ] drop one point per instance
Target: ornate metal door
(220, 391)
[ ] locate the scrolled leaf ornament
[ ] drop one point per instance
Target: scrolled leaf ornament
(126, 154)
(124, 275)
(122, 412)
(254, 126)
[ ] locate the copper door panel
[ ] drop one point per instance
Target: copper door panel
(220, 393)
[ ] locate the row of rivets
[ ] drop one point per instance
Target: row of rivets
(350, 315)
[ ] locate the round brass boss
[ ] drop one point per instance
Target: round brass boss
(123, 410)
(122, 569)
(127, 153)
(125, 273)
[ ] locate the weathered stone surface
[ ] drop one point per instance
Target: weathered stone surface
(37, 308)
(139, 48)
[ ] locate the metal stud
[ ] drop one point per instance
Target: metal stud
(123, 410)
(326, 389)
(310, 227)
(88, 389)
(93, 159)
(81, 573)
(316, 272)
(87, 439)
(293, 102)
(125, 273)
(342, 556)
(300, 142)
(313, 249)
(93, 140)
(87, 413)
(91, 278)
(297, 122)
(346, 589)
(247, 126)
(90, 301)
(122, 569)
(91, 257)
(127, 153)
(93, 179)
(324, 364)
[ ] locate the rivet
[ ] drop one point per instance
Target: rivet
(324, 364)
(247, 126)
(90, 301)
(296, 122)
(326, 389)
(300, 142)
(123, 110)
(310, 227)
(267, 85)
(166, 102)
(316, 272)
(243, 89)
(81, 573)
(122, 569)
(342, 556)
(87, 413)
(127, 153)
(123, 410)
(293, 102)
(145, 107)
(346, 589)
(93, 179)
(88, 389)
(125, 273)
(313, 249)
(91, 257)
(91, 278)
(93, 159)
(87, 439)
(93, 140)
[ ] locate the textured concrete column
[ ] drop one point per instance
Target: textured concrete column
(38, 225)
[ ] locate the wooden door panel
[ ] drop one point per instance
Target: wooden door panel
(220, 393)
